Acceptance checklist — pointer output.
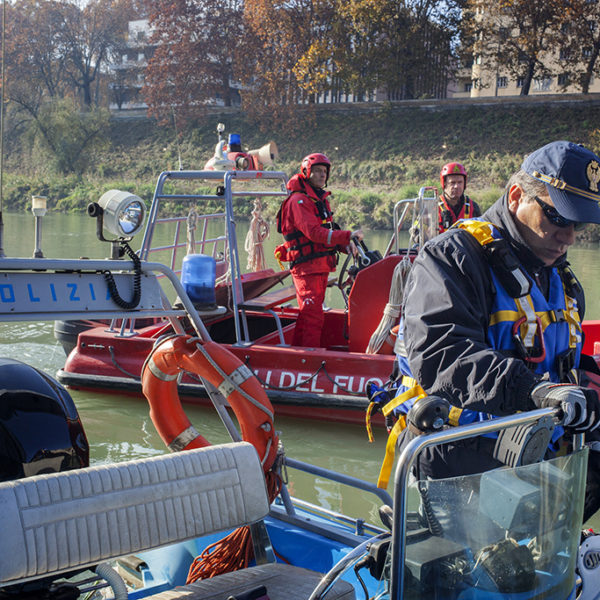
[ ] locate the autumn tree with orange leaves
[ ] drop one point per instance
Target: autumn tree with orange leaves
(278, 35)
(401, 47)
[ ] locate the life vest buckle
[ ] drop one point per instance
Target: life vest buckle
(528, 354)
(564, 363)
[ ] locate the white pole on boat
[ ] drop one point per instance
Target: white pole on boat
(2, 79)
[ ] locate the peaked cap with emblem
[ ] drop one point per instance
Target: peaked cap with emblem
(572, 177)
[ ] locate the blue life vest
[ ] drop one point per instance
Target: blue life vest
(522, 325)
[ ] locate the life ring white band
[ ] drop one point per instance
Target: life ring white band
(235, 379)
(160, 374)
(183, 439)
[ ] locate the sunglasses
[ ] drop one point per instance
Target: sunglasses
(555, 218)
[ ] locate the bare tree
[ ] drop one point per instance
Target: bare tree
(88, 33)
(516, 37)
(192, 65)
(579, 45)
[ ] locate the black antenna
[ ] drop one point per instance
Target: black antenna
(2, 78)
(177, 138)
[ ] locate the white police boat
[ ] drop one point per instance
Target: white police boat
(143, 528)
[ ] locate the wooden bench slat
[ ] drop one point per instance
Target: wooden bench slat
(269, 300)
(276, 297)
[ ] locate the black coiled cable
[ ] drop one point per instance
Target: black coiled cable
(137, 281)
(435, 526)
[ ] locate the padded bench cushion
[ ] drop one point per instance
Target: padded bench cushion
(57, 522)
(283, 582)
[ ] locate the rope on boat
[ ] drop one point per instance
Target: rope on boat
(113, 358)
(234, 551)
(257, 234)
(234, 380)
(191, 231)
(288, 388)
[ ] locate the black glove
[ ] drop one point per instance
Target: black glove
(579, 406)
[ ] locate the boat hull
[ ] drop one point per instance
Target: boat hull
(323, 383)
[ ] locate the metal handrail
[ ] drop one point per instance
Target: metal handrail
(407, 460)
(226, 195)
(399, 220)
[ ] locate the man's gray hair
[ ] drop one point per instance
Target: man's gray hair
(530, 185)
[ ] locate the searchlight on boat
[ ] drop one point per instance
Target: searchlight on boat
(122, 214)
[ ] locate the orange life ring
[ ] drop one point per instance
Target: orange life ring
(390, 341)
(227, 373)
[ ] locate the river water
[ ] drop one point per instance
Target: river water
(118, 427)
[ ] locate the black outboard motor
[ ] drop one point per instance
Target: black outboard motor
(40, 429)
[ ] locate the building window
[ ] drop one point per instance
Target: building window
(564, 54)
(542, 85)
(586, 52)
(468, 86)
(141, 57)
(592, 26)
(520, 82)
(502, 82)
(563, 79)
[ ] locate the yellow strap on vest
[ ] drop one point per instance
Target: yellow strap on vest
(390, 452)
(454, 416)
(368, 421)
(572, 316)
(414, 390)
(417, 392)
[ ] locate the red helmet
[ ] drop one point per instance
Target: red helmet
(314, 159)
(452, 168)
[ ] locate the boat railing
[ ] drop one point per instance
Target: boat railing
(46, 289)
(359, 526)
(414, 209)
(408, 459)
(256, 187)
(214, 246)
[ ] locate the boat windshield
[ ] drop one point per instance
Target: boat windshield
(511, 532)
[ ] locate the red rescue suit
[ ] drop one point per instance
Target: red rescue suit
(306, 222)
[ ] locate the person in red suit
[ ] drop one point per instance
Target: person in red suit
(312, 241)
(454, 203)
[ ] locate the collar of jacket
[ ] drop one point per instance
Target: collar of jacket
(297, 183)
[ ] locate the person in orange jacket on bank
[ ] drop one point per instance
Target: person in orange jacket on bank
(454, 204)
(312, 241)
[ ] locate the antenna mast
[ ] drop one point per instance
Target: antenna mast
(2, 78)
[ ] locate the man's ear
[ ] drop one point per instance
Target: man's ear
(515, 196)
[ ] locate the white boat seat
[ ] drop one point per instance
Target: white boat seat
(55, 523)
(60, 522)
(283, 582)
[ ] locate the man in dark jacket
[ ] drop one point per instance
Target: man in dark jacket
(492, 313)
(312, 241)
